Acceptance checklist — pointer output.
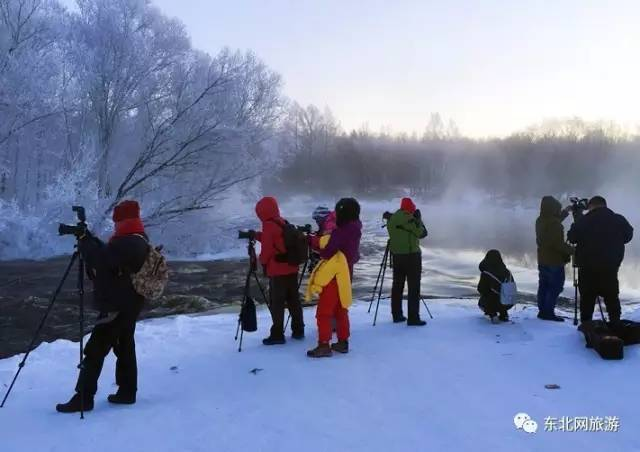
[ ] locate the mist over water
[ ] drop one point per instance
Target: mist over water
(461, 230)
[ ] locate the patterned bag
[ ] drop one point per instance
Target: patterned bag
(152, 278)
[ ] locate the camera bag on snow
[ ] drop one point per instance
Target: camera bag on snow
(599, 336)
(152, 278)
(295, 243)
(508, 290)
(248, 318)
(627, 330)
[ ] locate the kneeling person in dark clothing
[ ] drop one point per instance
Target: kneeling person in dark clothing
(111, 265)
(600, 237)
(493, 272)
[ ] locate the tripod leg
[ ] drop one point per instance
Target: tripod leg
(81, 300)
(247, 284)
(286, 324)
(238, 327)
(241, 337)
(384, 271)
(264, 294)
(39, 329)
(382, 265)
(601, 311)
(575, 306)
(304, 270)
(426, 307)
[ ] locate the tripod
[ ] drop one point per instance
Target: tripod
(253, 267)
(575, 287)
(304, 269)
(380, 282)
(81, 268)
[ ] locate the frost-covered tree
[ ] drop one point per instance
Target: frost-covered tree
(110, 101)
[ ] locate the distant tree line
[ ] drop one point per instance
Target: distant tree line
(558, 157)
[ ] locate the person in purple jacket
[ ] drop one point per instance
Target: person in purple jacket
(345, 238)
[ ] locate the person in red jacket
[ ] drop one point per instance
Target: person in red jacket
(283, 277)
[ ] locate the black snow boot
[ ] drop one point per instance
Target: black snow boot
(340, 347)
(504, 317)
(73, 405)
(416, 322)
(321, 351)
(122, 398)
(297, 335)
(274, 340)
(399, 319)
(552, 317)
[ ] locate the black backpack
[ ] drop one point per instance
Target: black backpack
(248, 317)
(296, 245)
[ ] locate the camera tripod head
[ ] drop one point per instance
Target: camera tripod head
(80, 228)
(251, 252)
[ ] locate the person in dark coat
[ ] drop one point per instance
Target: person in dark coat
(118, 304)
(600, 237)
(493, 272)
(553, 254)
(283, 277)
(406, 229)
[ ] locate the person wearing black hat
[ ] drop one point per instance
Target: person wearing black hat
(119, 305)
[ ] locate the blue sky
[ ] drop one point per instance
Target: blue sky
(494, 66)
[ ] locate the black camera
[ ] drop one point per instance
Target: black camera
(579, 204)
(387, 216)
(306, 228)
(79, 229)
(247, 235)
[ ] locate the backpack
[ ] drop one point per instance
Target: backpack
(152, 278)
(508, 290)
(296, 245)
(248, 318)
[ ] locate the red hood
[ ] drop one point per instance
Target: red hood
(267, 209)
(407, 205)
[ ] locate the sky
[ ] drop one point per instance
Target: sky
(494, 66)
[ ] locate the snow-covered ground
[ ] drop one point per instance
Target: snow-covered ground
(454, 385)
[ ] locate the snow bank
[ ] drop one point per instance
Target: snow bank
(453, 385)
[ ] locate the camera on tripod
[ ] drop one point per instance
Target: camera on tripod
(579, 204)
(306, 228)
(79, 229)
(247, 235)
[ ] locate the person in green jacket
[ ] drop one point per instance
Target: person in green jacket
(405, 229)
(553, 254)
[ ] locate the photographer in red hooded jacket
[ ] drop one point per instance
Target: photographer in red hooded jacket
(283, 277)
